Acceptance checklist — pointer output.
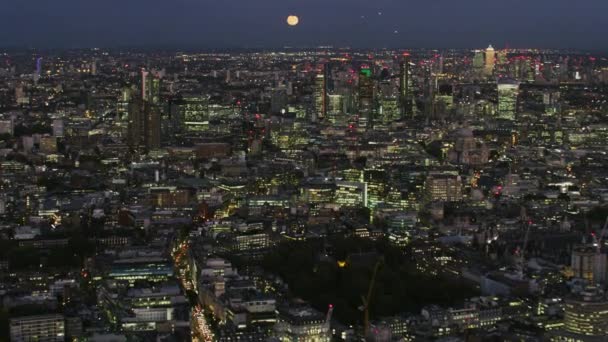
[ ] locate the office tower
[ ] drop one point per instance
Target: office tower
(508, 90)
(376, 184)
(144, 125)
(335, 107)
(388, 109)
(405, 86)
(38, 328)
(151, 85)
(351, 194)
(278, 100)
(443, 187)
(444, 100)
(136, 123)
(502, 63)
(588, 263)
(478, 64)
(490, 60)
(122, 105)
(193, 112)
(144, 83)
(320, 95)
(585, 317)
(366, 94)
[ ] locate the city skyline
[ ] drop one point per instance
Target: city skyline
(290, 170)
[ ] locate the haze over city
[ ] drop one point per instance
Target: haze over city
(261, 24)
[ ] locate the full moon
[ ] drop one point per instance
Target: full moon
(293, 20)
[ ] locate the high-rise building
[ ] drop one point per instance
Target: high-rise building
(502, 62)
(588, 264)
(194, 112)
(320, 96)
(150, 86)
(335, 107)
(351, 194)
(405, 86)
(122, 105)
(478, 64)
(376, 185)
(508, 90)
(490, 60)
(144, 125)
(585, 317)
(443, 187)
(278, 100)
(366, 94)
(388, 101)
(583, 262)
(38, 328)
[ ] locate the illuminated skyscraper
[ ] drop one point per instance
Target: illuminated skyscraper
(490, 60)
(335, 107)
(405, 86)
(194, 111)
(144, 125)
(502, 63)
(320, 95)
(478, 64)
(366, 94)
(278, 100)
(150, 86)
(508, 91)
(388, 103)
(443, 187)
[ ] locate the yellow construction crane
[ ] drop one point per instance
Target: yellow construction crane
(367, 300)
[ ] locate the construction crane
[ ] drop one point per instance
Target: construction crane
(330, 311)
(598, 262)
(521, 260)
(367, 300)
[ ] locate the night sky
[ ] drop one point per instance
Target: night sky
(261, 23)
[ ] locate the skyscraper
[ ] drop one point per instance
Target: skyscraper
(143, 121)
(388, 102)
(194, 111)
(405, 86)
(39, 66)
(508, 90)
(150, 86)
(490, 60)
(320, 95)
(478, 64)
(366, 94)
